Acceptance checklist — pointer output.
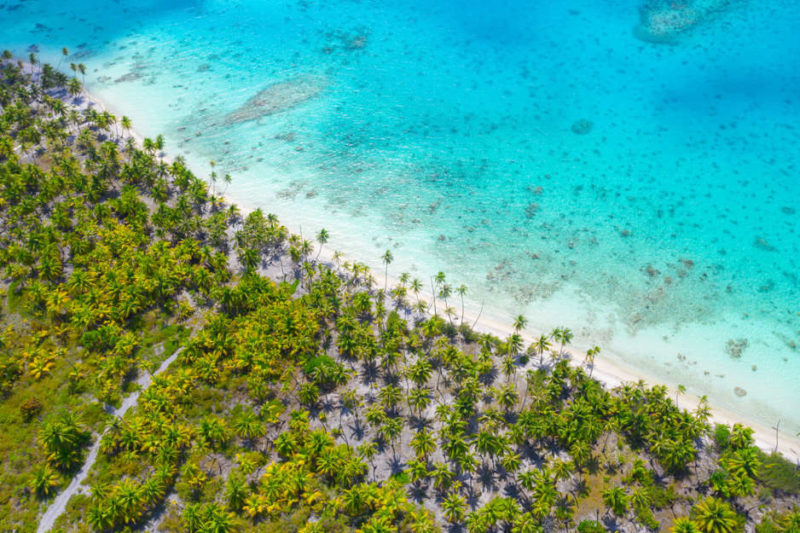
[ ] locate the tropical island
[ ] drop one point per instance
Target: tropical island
(170, 363)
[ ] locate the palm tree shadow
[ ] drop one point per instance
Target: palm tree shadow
(487, 378)
(357, 430)
(418, 493)
(486, 477)
(327, 406)
(473, 498)
(610, 523)
(371, 373)
(396, 466)
(390, 378)
(418, 423)
(511, 490)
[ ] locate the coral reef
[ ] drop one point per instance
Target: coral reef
(661, 21)
(735, 347)
(582, 127)
(277, 97)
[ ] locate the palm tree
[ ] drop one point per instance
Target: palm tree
(519, 323)
(562, 470)
(684, 525)
(416, 286)
(442, 476)
(712, 515)
(419, 399)
(591, 354)
(64, 53)
(507, 397)
(436, 280)
(387, 259)
(526, 523)
(514, 344)
(461, 291)
(74, 87)
(542, 344)
(247, 425)
(62, 440)
(444, 292)
(322, 238)
(680, 390)
(744, 462)
(125, 122)
(454, 508)
(129, 496)
(615, 500)
(740, 437)
(565, 337)
(32, 59)
(423, 444)
(45, 480)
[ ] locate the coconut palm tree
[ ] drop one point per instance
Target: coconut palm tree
(62, 439)
(423, 444)
(387, 258)
(442, 476)
(514, 344)
(740, 437)
(44, 480)
(461, 290)
(565, 337)
(454, 507)
(615, 500)
(591, 355)
(684, 525)
(542, 344)
(712, 515)
(322, 238)
(419, 399)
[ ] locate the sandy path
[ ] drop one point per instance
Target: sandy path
(75, 487)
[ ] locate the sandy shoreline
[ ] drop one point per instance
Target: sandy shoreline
(604, 371)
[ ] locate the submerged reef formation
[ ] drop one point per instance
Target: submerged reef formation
(277, 98)
(661, 21)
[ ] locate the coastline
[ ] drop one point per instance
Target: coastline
(604, 371)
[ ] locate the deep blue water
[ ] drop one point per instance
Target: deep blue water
(644, 194)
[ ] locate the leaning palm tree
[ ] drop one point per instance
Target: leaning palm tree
(566, 337)
(591, 354)
(322, 238)
(416, 286)
(64, 54)
(519, 323)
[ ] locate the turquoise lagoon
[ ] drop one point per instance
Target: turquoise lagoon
(556, 160)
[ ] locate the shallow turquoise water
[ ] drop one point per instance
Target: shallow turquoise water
(644, 194)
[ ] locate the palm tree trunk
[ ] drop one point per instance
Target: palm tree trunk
(433, 290)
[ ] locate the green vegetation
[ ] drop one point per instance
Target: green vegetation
(317, 401)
